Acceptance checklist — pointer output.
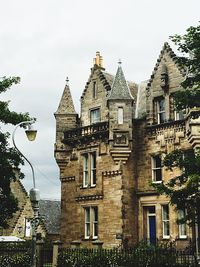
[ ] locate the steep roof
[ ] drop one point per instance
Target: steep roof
(50, 211)
(66, 105)
(166, 48)
(120, 88)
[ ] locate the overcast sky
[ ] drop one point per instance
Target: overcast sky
(44, 41)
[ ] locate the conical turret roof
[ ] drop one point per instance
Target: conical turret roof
(120, 88)
(66, 105)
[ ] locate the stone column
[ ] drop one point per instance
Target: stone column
(56, 245)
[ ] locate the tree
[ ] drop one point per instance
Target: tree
(189, 45)
(183, 189)
(10, 159)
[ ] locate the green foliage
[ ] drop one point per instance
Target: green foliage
(9, 157)
(16, 260)
(183, 189)
(189, 45)
(15, 254)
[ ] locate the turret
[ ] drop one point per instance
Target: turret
(120, 105)
(66, 116)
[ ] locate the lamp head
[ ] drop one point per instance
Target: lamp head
(31, 133)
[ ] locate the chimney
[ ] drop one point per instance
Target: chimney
(98, 60)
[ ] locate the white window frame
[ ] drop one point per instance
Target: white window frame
(120, 115)
(95, 222)
(155, 169)
(182, 227)
(160, 112)
(91, 222)
(93, 172)
(87, 222)
(165, 221)
(95, 115)
(89, 169)
(85, 170)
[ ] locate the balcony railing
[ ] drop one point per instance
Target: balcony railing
(152, 129)
(93, 131)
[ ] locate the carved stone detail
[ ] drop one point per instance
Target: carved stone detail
(91, 197)
(68, 179)
(111, 173)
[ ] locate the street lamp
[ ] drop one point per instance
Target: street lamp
(34, 192)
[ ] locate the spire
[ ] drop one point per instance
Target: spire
(66, 105)
(120, 88)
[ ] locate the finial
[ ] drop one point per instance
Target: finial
(67, 80)
(119, 61)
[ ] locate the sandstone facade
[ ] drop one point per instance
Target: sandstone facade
(109, 157)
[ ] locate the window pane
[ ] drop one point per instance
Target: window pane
(182, 226)
(157, 162)
(166, 228)
(95, 221)
(87, 214)
(156, 168)
(158, 175)
(161, 105)
(93, 168)
(85, 170)
(87, 222)
(165, 219)
(161, 111)
(95, 115)
(166, 212)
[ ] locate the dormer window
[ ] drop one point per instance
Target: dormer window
(95, 115)
(120, 115)
(161, 116)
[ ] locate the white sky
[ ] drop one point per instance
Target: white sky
(43, 41)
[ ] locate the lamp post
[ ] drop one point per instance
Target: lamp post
(34, 192)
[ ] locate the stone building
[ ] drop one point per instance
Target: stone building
(20, 224)
(110, 154)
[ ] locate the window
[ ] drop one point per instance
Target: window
(95, 222)
(93, 169)
(156, 169)
(120, 115)
(87, 222)
(165, 221)
(179, 115)
(95, 115)
(27, 227)
(94, 89)
(91, 222)
(85, 171)
(161, 111)
(89, 169)
(182, 226)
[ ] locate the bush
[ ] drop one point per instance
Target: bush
(141, 256)
(15, 254)
(16, 260)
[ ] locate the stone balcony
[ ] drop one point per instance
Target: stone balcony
(88, 133)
